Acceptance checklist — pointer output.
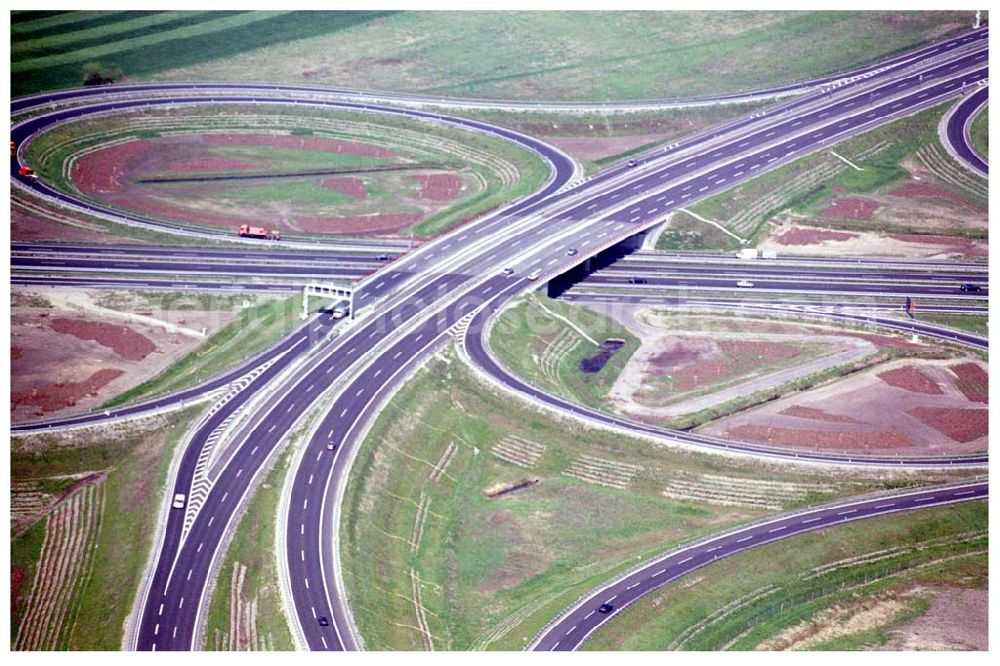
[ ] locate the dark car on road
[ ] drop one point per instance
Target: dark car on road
(637, 280)
(382, 257)
(605, 608)
(324, 621)
(968, 286)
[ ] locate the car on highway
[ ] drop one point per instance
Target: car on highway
(508, 271)
(339, 313)
(323, 620)
(968, 286)
(637, 280)
(605, 608)
(331, 446)
(744, 283)
(179, 500)
(534, 275)
(382, 257)
(632, 163)
(572, 252)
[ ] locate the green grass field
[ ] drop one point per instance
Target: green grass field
(430, 558)
(254, 329)
(252, 546)
(137, 459)
(773, 192)
(978, 324)
(744, 600)
(515, 55)
(547, 352)
(50, 52)
(979, 132)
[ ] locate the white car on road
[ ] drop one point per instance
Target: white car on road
(179, 500)
(744, 283)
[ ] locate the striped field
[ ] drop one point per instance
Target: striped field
(49, 50)
(65, 565)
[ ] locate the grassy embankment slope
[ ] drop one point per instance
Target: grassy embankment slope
(493, 170)
(546, 350)
(434, 556)
(255, 328)
(979, 132)
(133, 460)
(803, 187)
(842, 588)
(247, 611)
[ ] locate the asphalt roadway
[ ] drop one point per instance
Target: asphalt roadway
(643, 177)
(957, 133)
(441, 300)
(574, 626)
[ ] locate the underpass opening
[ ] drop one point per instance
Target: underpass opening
(606, 257)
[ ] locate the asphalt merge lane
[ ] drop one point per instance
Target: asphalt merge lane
(576, 624)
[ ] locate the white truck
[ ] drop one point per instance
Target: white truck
(754, 253)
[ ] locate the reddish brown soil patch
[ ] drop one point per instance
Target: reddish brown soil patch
(968, 246)
(910, 379)
(161, 209)
(352, 187)
(16, 353)
(299, 143)
(850, 209)
(702, 374)
(52, 397)
(126, 342)
(885, 342)
(972, 381)
(438, 186)
(817, 415)
(741, 357)
(216, 164)
(961, 425)
(811, 236)
(756, 352)
(28, 227)
(379, 223)
(664, 361)
(818, 439)
(17, 576)
(763, 327)
(924, 190)
(103, 171)
(839, 189)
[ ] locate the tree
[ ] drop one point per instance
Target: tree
(96, 74)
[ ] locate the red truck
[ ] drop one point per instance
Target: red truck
(247, 231)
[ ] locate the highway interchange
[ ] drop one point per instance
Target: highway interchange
(452, 286)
